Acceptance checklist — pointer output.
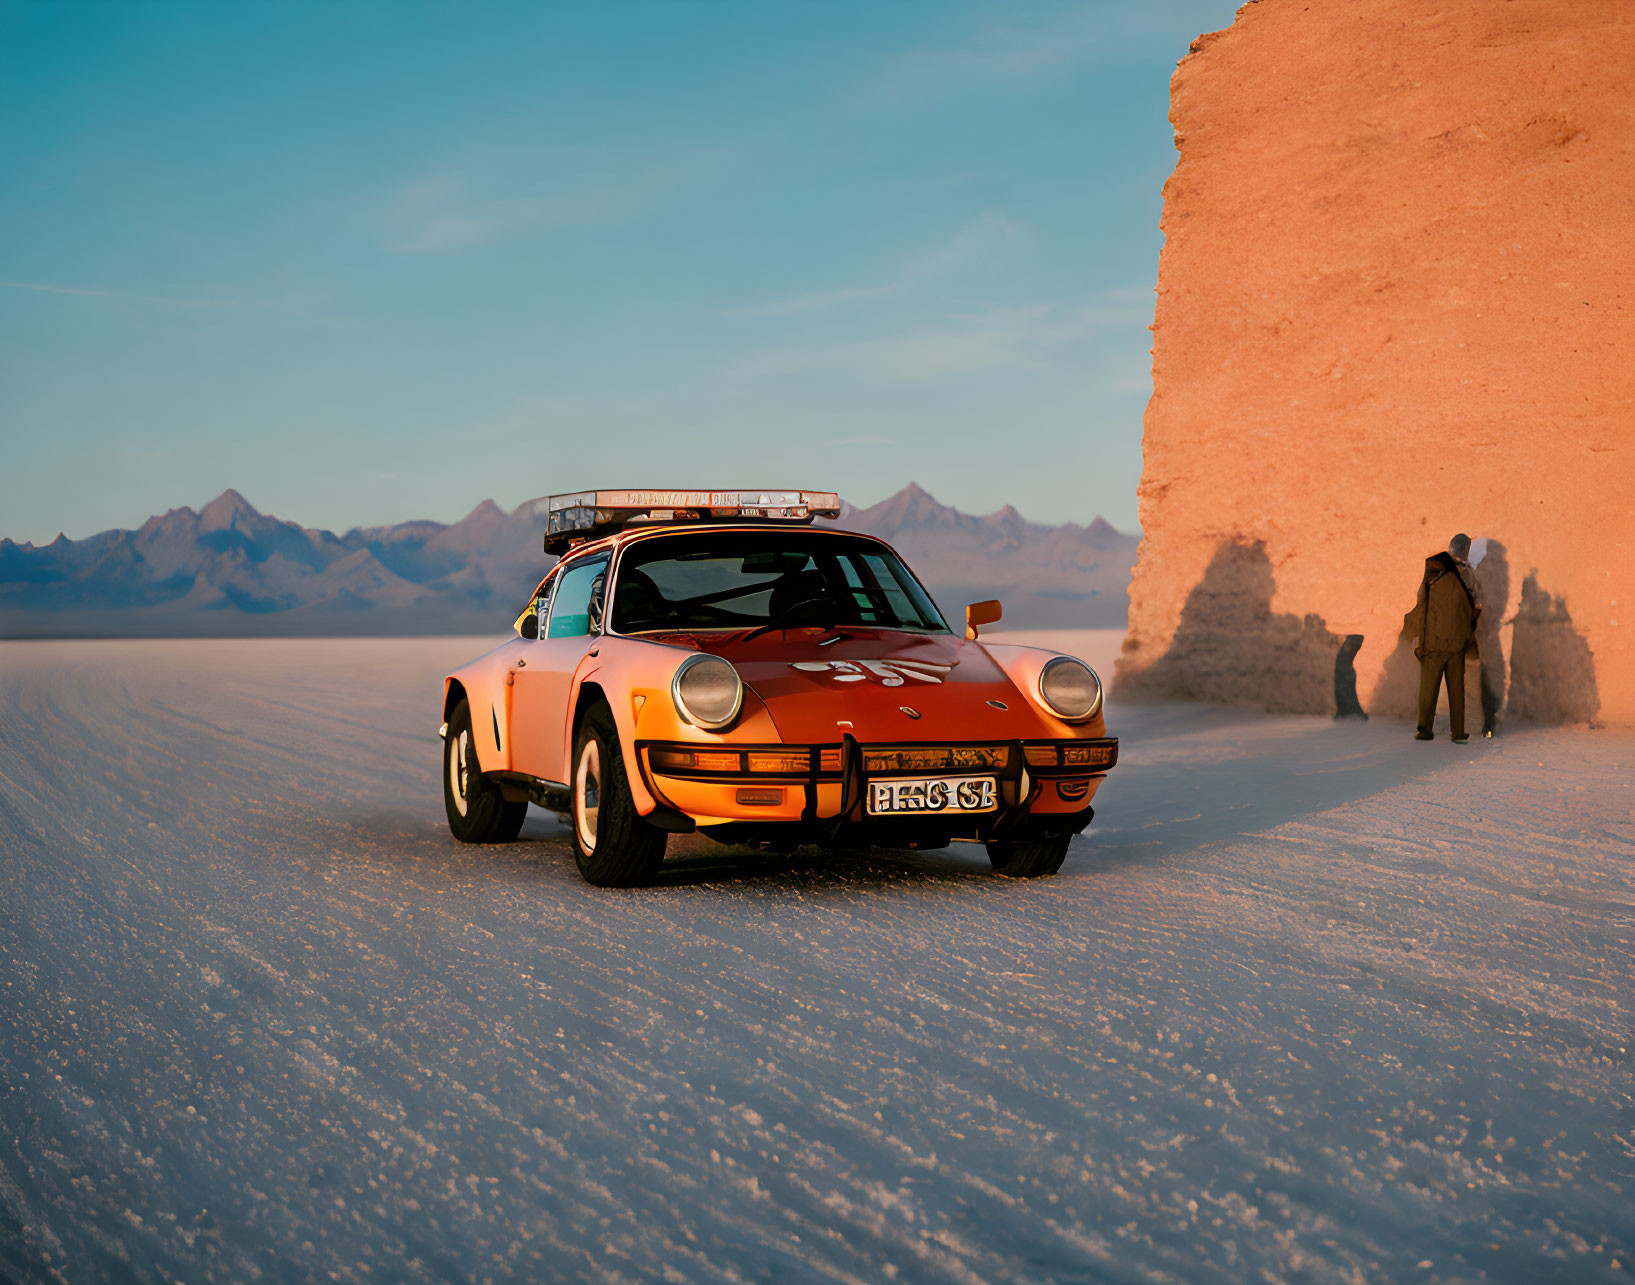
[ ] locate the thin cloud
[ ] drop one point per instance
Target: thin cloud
(1032, 47)
(456, 208)
(1025, 337)
(858, 441)
(128, 296)
(1017, 53)
(938, 261)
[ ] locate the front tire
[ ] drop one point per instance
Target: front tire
(477, 810)
(612, 845)
(1028, 858)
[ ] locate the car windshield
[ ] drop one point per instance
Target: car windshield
(777, 579)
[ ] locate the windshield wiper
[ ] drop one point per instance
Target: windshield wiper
(782, 623)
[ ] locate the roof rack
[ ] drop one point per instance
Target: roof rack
(586, 515)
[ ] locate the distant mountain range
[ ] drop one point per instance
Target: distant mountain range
(1048, 577)
(230, 570)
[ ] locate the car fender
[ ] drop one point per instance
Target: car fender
(634, 675)
(487, 691)
(1022, 665)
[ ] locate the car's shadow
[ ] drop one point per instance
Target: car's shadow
(812, 867)
(694, 859)
(543, 855)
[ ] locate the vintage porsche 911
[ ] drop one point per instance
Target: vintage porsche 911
(710, 660)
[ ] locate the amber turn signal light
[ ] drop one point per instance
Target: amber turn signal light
(1067, 754)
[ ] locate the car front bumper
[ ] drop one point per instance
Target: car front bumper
(1042, 786)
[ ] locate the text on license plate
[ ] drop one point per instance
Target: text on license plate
(933, 794)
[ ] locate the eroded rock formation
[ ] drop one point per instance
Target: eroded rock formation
(1394, 302)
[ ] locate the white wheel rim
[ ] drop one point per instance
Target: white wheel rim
(459, 772)
(587, 793)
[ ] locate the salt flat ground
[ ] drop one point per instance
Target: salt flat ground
(1308, 1002)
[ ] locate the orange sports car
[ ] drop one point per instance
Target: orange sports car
(709, 660)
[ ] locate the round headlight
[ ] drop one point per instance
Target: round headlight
(707, 691)
(1070, 689)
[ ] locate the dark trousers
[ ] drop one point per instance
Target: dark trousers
(1434, 667)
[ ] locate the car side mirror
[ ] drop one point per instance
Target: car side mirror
(529, 628)
(982, 613)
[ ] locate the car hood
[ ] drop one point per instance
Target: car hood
(878, 685)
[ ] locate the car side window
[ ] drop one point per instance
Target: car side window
(570, 606)
(539, 605)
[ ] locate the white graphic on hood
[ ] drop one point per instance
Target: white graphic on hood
(889, 673)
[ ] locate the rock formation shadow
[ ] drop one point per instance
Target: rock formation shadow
(1232, 649)
(1552, 669)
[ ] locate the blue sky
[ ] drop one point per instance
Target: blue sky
(368, 262)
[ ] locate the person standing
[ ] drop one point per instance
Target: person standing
(1444, 627)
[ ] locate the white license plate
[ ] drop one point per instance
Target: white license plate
(933, 794)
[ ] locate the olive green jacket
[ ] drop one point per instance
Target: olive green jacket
(1450, 604)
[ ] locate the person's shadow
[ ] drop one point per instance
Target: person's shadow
(1346, 704)
(1493, 575)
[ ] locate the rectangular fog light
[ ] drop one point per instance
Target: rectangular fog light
(779, 762)
(761, 798)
